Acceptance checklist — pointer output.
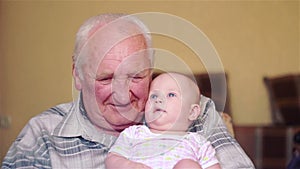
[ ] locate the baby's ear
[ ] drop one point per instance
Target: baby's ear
(194, 112)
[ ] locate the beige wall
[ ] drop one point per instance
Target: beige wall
(253, 39)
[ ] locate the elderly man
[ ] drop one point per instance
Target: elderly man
(112, 70)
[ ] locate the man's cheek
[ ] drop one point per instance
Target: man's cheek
(101, 92)
(142, 90)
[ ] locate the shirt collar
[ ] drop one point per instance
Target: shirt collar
(77, 124)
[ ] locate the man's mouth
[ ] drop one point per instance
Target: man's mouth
(122, 108)
(120, 105)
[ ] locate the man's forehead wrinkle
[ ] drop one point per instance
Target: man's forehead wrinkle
(127, 69)
(118, 51)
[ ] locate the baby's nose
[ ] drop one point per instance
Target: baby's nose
(158, 100)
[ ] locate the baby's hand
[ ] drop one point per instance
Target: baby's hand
(136, 165)
(115, 161)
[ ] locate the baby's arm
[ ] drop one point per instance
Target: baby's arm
(187, 163)
(115, 161)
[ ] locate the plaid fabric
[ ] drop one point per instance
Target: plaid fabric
(63, 137)
(212, 127)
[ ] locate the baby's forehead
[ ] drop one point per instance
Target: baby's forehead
(176, 77)
(179, 80)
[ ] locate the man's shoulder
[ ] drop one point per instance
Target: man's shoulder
(59, 110)
(49, 119)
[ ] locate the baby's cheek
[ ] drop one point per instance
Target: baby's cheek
(148, 106)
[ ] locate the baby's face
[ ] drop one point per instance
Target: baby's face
(168, 104)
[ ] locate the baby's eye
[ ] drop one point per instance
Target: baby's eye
(171, 95)
(153, 96)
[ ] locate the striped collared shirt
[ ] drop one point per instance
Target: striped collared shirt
(63, 137)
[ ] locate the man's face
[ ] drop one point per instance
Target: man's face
(115, 95)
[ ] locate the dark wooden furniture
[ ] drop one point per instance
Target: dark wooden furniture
(218, 92)
(284, 96)
(269, 147)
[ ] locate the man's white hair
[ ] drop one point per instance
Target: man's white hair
(90, 26)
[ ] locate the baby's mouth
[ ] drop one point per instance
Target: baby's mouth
(159, 110)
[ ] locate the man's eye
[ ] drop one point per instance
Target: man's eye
(104, 80)
(137, 78)
(171, 95)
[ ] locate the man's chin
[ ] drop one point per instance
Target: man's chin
(119, 121)
(120, 128)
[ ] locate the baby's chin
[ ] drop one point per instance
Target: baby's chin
(151, 117)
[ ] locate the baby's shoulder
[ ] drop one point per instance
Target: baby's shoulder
(196, 137)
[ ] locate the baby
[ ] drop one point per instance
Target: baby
(164, 143)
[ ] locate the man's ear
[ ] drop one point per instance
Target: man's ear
(77, 81)
(194, 112)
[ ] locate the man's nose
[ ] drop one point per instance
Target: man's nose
(120, 90)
